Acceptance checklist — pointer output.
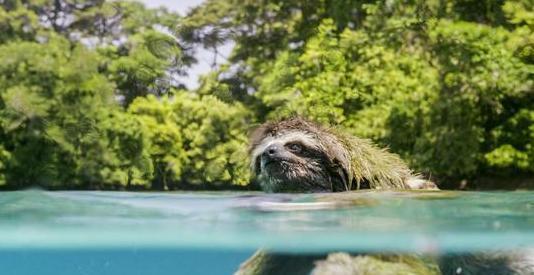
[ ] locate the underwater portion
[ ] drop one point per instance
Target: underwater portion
(212, 232)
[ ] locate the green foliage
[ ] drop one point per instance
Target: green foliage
(446, 84)
(89, 96)
(63, 87)
(158, 120)
(513, 143)
(60, 122)
(195, 140)
(143, 69)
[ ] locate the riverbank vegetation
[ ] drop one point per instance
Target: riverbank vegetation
(91, 97)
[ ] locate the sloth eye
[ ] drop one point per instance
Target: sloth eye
(294, 147)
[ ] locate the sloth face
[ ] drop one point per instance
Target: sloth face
(294, 162)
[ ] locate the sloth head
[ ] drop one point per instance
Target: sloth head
(295, 155)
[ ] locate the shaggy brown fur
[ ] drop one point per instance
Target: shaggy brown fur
(299, 155)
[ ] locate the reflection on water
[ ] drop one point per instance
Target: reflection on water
(238, 223)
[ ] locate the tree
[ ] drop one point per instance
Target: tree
(196, 141)
(59, 119)
(430, 79)
(90, 97)
(61, 84)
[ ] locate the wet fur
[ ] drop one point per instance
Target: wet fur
(336, 162)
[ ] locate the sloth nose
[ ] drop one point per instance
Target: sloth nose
(272, 151)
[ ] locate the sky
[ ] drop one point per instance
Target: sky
(181, 6)
(203, 56)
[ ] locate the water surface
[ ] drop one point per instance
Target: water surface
(407, 221)
(169, 227)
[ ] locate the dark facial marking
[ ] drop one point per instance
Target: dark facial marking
(293, 167)
(321, 166)
(294, 147)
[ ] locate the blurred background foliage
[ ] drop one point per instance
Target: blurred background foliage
(91, 98)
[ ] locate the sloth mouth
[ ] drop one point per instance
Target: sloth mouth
(276, 161)
(270, 164)
(289, 176)
(276, 167)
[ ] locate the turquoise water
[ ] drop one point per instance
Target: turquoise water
(162, 233)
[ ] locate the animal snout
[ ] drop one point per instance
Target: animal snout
(273, 151)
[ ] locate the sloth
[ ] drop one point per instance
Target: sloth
(296, 155)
